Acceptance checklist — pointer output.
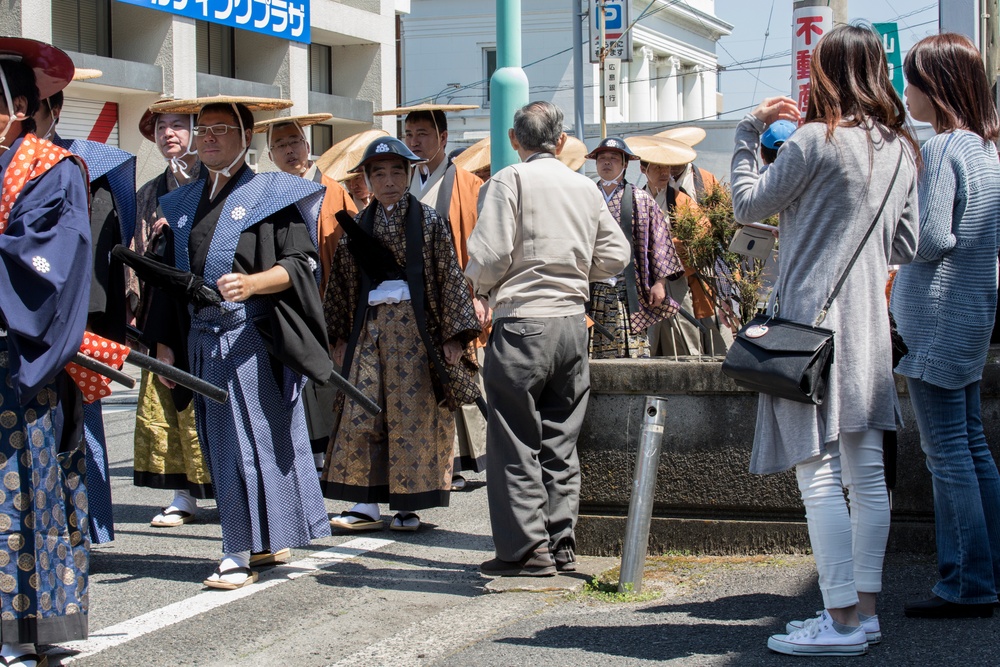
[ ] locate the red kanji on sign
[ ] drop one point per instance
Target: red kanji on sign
(804, 97)
(802, 59)
(808, 27)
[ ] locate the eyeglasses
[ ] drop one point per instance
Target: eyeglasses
(285, 145)
(214, 130)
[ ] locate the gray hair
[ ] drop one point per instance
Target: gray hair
(538, 126)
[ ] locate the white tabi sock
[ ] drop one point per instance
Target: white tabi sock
(16, 650)
(184, 501)
(238, 559)
(368, 509)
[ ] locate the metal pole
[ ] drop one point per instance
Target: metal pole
(640, 508)
(578, 103)
(603, 53)
(509, 85)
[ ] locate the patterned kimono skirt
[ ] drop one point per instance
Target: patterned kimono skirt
(608, 307)
(404, 456)
(102, 519)
(167, 452)
(256, 444)
(44, 531)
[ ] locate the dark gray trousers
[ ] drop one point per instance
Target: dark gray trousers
(537, 382)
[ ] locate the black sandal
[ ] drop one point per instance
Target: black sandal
(402, 518)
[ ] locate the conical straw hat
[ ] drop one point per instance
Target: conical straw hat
(344, 155)
(689, 135)
(82, 74)
(194, 105)
(305, 120)
(661, 151)
(475, 157)
(573, 153)
(402, 111)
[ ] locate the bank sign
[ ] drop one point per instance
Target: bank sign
(285, 19)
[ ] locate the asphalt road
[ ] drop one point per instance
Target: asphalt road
(393, 598)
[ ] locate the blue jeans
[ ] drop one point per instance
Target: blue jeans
(966, 491)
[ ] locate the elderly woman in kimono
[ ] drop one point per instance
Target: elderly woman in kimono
(249, 235)
(395, 352)
(44, 269)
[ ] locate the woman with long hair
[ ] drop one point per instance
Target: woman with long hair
(828, 183)
(944, 303)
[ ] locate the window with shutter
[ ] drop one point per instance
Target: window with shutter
(214, 49)
(320, 68)
(82, 25)
(322, 139)
(489, 67)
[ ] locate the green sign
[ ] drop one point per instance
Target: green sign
(893, 51)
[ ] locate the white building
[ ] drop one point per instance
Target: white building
(147, 50)
(449, 52)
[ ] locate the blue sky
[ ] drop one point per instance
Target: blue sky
(745, 85)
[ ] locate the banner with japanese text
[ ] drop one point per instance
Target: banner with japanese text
(285, 19)
(893, 53)
(809, 24)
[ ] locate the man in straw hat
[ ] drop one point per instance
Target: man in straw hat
(677, 335)
(689, 178)
(454, 193)
(630, 302)
(251, 236)
(289, 150)
(112, 221)
(544, 234)
(45, 268)
(167, 453)
(397, 313)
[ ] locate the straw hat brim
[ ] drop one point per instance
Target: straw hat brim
(690, 135)
(475, 157)
(659, 150)
(52, 66)
(574, 153)
(304, 120)
(82, 74)
(402, 111)
(195, 105)
(344, 155)
(147, 124)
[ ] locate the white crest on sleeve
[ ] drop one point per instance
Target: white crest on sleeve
(41, 264)
(312, 264)
(182, 221)
(239, 213)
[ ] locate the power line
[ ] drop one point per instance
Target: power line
(767, 33)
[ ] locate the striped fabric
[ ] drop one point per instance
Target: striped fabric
(945, 300)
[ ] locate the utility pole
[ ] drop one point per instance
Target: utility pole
(603, 54)
(509, 85)
(578, 104)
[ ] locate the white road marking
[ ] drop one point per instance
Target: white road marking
(158, 619)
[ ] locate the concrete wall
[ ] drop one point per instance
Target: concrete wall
(705, 499)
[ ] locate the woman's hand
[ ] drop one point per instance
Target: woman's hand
(658, 292)
(236, 287)
(452, 352)
(166, 355)
(777, 108)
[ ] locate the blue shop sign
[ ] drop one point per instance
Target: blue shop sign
(285, 19)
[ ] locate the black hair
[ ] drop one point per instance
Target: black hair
(769, 155)
(435, 118)
(55, 101)
(245, 114)
(21, 83)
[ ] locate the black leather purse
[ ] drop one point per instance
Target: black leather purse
(789, 359)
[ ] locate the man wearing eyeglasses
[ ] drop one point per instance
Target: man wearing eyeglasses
(253, 236)
(289, 151)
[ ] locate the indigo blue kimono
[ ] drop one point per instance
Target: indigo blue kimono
(44, 288)
(112, 221)
(256, 445)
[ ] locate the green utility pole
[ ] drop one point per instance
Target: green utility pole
(509, 85)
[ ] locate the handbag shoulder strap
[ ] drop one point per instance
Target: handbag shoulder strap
(857, 253)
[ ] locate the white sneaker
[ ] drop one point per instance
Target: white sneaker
(873, 632)
(817, 637)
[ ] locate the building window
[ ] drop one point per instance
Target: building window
(320, 68)
(214, 46)
(322, 139)
(82, 25)
(489, 67)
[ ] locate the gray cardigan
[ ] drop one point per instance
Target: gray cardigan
(944, 302)
(827, 192)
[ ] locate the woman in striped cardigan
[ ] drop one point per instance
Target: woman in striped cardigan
(944, 303)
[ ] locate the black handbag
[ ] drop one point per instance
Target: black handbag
(789, 359)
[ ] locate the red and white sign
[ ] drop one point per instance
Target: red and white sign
(809, 24)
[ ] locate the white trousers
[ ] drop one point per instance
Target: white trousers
(848, 542)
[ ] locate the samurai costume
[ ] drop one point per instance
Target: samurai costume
(112, 221)
(454, 193)
(167, 452)
(45, 259)
(256, 445)
(404, 455)
(653, 258)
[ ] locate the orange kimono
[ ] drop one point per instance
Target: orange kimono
(329, 232)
